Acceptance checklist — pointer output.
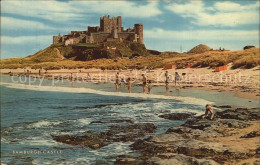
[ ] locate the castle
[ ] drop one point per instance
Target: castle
(110, 29)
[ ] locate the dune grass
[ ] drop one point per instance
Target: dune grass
(49, 58)
(243, 59)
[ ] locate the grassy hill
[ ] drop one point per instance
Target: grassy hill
(128, 55)
(201, 48)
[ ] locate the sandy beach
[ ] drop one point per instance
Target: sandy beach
(243, 83)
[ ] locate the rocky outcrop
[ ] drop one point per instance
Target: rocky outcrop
(115, 133)
(193, 142)
(112, 121)
(177, 116)
(196, 142)
(251, 134)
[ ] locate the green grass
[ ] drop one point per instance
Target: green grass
(88, 45)
(47, 55)
(58, 44)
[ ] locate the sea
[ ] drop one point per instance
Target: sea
(31, 112)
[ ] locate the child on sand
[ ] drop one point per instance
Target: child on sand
(149, 86)
(208, 109)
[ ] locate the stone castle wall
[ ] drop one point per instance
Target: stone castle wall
(127, 36)
(100, 37)
(57, 39)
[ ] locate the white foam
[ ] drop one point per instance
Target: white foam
(187, 100)
(43, 123)
(84, 121)
(184, 110)
(118, 148)
(39, 141)
(4, 140)
(84, 160)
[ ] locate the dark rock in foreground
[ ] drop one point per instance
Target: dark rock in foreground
(177, 116)
(252, 134)
(112, 121)
(114, 134)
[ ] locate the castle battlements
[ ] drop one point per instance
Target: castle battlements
(110, 29)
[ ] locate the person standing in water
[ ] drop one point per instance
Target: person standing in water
(117, 81)
(144, 82)
(177, 76)
(128, 81)
(71, 77)
(208, 109)
(149, 86)
(167, 81)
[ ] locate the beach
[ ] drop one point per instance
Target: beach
(243, 83)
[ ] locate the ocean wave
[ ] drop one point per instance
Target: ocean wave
(4, 140)
(185, 110)
(84, 121)
(187, 100)
(118, 148)
(43, 123)
(39, 141)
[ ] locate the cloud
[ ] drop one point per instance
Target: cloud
(19, 24)
(16, 25)
(231, 6)
(202, 35)
(220, 14)
(60, 11)
(124, 8)
(50, 10)
(41, 39)
(23, 45)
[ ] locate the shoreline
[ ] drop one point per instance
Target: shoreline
(230, 138)
(247, 90)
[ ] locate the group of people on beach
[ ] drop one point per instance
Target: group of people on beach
(128, 83)
(167, 78)
(145, 82)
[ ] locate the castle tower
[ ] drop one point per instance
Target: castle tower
(108, 24)
(119, 23)
(105, 24)
(139, 32)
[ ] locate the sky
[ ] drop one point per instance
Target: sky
(28, 26)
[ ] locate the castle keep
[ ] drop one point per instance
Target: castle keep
(110, 29)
